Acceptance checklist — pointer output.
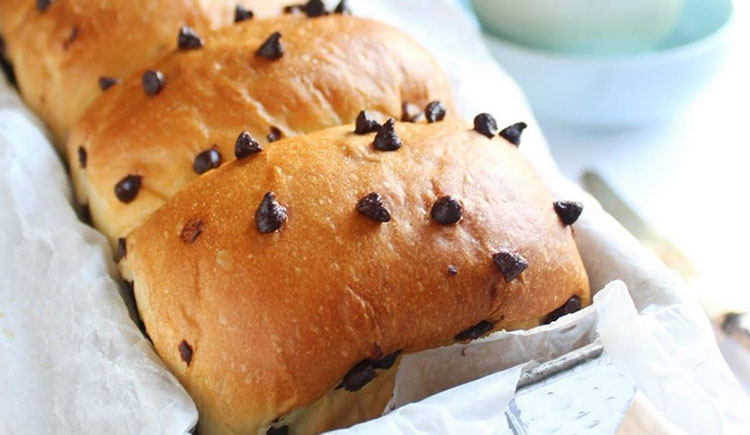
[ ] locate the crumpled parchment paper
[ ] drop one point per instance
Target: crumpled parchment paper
(72, 360)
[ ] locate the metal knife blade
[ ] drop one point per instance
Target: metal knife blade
(583, 391)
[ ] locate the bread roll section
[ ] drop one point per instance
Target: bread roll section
(68, 52)
(277, 320)
(331, 67)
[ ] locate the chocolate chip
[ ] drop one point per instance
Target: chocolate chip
(513, 133)
(293, 9)
(475, 331)
(191, 231)
(372, 206)
(5, 66)
(568, 211)
(281, 430)
(387, 361)
(387, 139)
(71, 37)
(511, 265)
(85, 215)
(107, 82)
(411, 112)
(315, 8)
(242, 14)
(447, 210)
(152, 81)
(342, 8)
(359, 376)
(207, 160)
(434, 111)
(452, 270)
(186, 352)
(270, 214)
(272, 47)
(122, 250)
(246, 145)
(127, 189)
(274, 135)
(571, 306)
(188, 39)
(82, 158)
(366, 123)
(484, 123)
(42, 5)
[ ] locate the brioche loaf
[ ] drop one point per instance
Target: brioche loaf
(60, 49)
(279, 285)
(150, 146)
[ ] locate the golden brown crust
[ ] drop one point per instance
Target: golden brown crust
(333, 67)
(60, 53)
(276, 320)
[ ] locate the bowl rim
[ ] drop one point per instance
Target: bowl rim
(664, 55)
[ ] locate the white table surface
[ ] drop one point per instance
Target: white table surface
(689, 177)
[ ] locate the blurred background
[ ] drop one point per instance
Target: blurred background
(645, 103)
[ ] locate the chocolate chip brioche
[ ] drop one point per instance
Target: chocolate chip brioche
(146, 138)
(67, 52)
(282, 287)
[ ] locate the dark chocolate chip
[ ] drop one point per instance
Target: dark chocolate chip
(152, 81)
(122, 249)
(82, 157)
(435, 111)
(342, 8)
(411, 112)
(271, 47)
(387, 139)
(84, 214)
(186, 352)
(241, 14)
(107, 82)
(127, 189)
(510, 264)
(568, 211)
(191, 231)
(42, 5)
(315, 8)
(387, 361)
(274, 135)
(513, 133)
(207, 160)
(5, 65)
(281, 430)
(372, 206)
(452, 270)
(571, 306)
(293, 9)
(484, 123)
(188, 39)
(366, 123)
(270, 214)
(447, 210)
(359, 376)
(246, 145)
(475, 331)
(71, 37)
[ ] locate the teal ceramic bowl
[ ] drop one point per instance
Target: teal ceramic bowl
(618, 90)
